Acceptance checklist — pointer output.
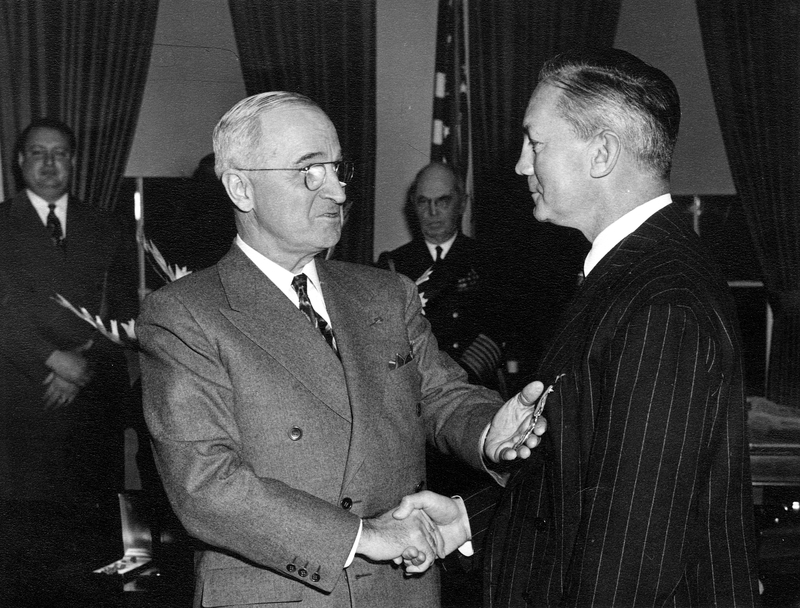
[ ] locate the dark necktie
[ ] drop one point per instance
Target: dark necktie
(438, 253)
(54, 226)
(299, 284)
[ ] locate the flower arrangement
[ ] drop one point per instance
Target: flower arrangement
(112, 332)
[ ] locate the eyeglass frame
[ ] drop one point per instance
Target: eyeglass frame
(349, 167)
(443, 203)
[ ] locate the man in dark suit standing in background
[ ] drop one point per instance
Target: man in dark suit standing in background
(640, 494)
(290, 398)
(61, 383)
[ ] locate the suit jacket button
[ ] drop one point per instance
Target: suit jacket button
(455, 315)
(346, 503)
(455, 344)
(540, 524)
(420, 486)
(303, 572)
(315, 577)
(295, 433)
(291, 567)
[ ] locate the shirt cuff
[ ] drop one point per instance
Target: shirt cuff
(465, 549)
(352, 555)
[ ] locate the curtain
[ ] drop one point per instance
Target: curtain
(753, 55)
(509, 42)
(324, 49)
(83, 62)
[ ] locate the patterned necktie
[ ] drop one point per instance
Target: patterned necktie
(299, 284)
(54, 226)
(438, 254)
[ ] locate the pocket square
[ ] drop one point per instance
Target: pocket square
(399, 360)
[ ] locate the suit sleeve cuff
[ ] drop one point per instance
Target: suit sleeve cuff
(500, 478)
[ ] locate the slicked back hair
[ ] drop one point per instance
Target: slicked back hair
(47, 123)
(612, 89)
(238, 133)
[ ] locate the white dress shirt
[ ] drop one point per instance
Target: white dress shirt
(282, 279)
(445, 247)
(622, 227)
(43, 209)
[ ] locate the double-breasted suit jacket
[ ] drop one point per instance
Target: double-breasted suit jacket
(77, 450)
(640, 494)
(271, 448)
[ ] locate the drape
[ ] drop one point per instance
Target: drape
(753, 55)
(324, 49)
(83, 62)
(509, 42)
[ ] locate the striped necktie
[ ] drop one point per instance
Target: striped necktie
(299, 284)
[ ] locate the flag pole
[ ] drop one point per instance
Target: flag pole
(138, 213)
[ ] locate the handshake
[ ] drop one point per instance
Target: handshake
(423, 527)
(426, 525)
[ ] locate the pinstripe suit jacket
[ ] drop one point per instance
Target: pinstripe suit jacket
(641, 493)
(270, 447)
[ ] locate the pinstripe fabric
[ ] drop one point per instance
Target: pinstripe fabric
(640, 495)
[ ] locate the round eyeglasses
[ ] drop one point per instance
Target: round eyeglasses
(315, 173)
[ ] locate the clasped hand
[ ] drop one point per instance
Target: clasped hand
(70, 372)
(427, 525)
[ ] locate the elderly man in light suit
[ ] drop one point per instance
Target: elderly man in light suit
(290, 398)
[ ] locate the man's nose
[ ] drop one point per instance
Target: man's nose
(333, 187)
(433, 207)
(524, 164)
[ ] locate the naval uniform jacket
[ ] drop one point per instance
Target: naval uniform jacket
(640, 493)
(459, 294)
(271, 448)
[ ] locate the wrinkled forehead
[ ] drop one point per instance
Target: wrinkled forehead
(296, 134)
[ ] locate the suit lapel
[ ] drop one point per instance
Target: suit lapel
(261, 311)
(359, 324)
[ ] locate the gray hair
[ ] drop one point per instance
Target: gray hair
(612, 89)
(238, 132)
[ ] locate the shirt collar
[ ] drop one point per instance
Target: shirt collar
(445, 246)
(278, 274)
(40, 203)
(619, 229)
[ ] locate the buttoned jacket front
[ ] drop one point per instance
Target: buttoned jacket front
(271, 447)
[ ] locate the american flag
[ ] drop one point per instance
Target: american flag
(450, 142)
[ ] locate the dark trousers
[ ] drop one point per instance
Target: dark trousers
(48, 551)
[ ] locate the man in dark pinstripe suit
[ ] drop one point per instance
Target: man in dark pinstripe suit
(641, 493)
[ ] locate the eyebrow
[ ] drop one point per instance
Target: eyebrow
(314, 156)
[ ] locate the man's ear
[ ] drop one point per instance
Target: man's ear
(239, 188)
(605, 151)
